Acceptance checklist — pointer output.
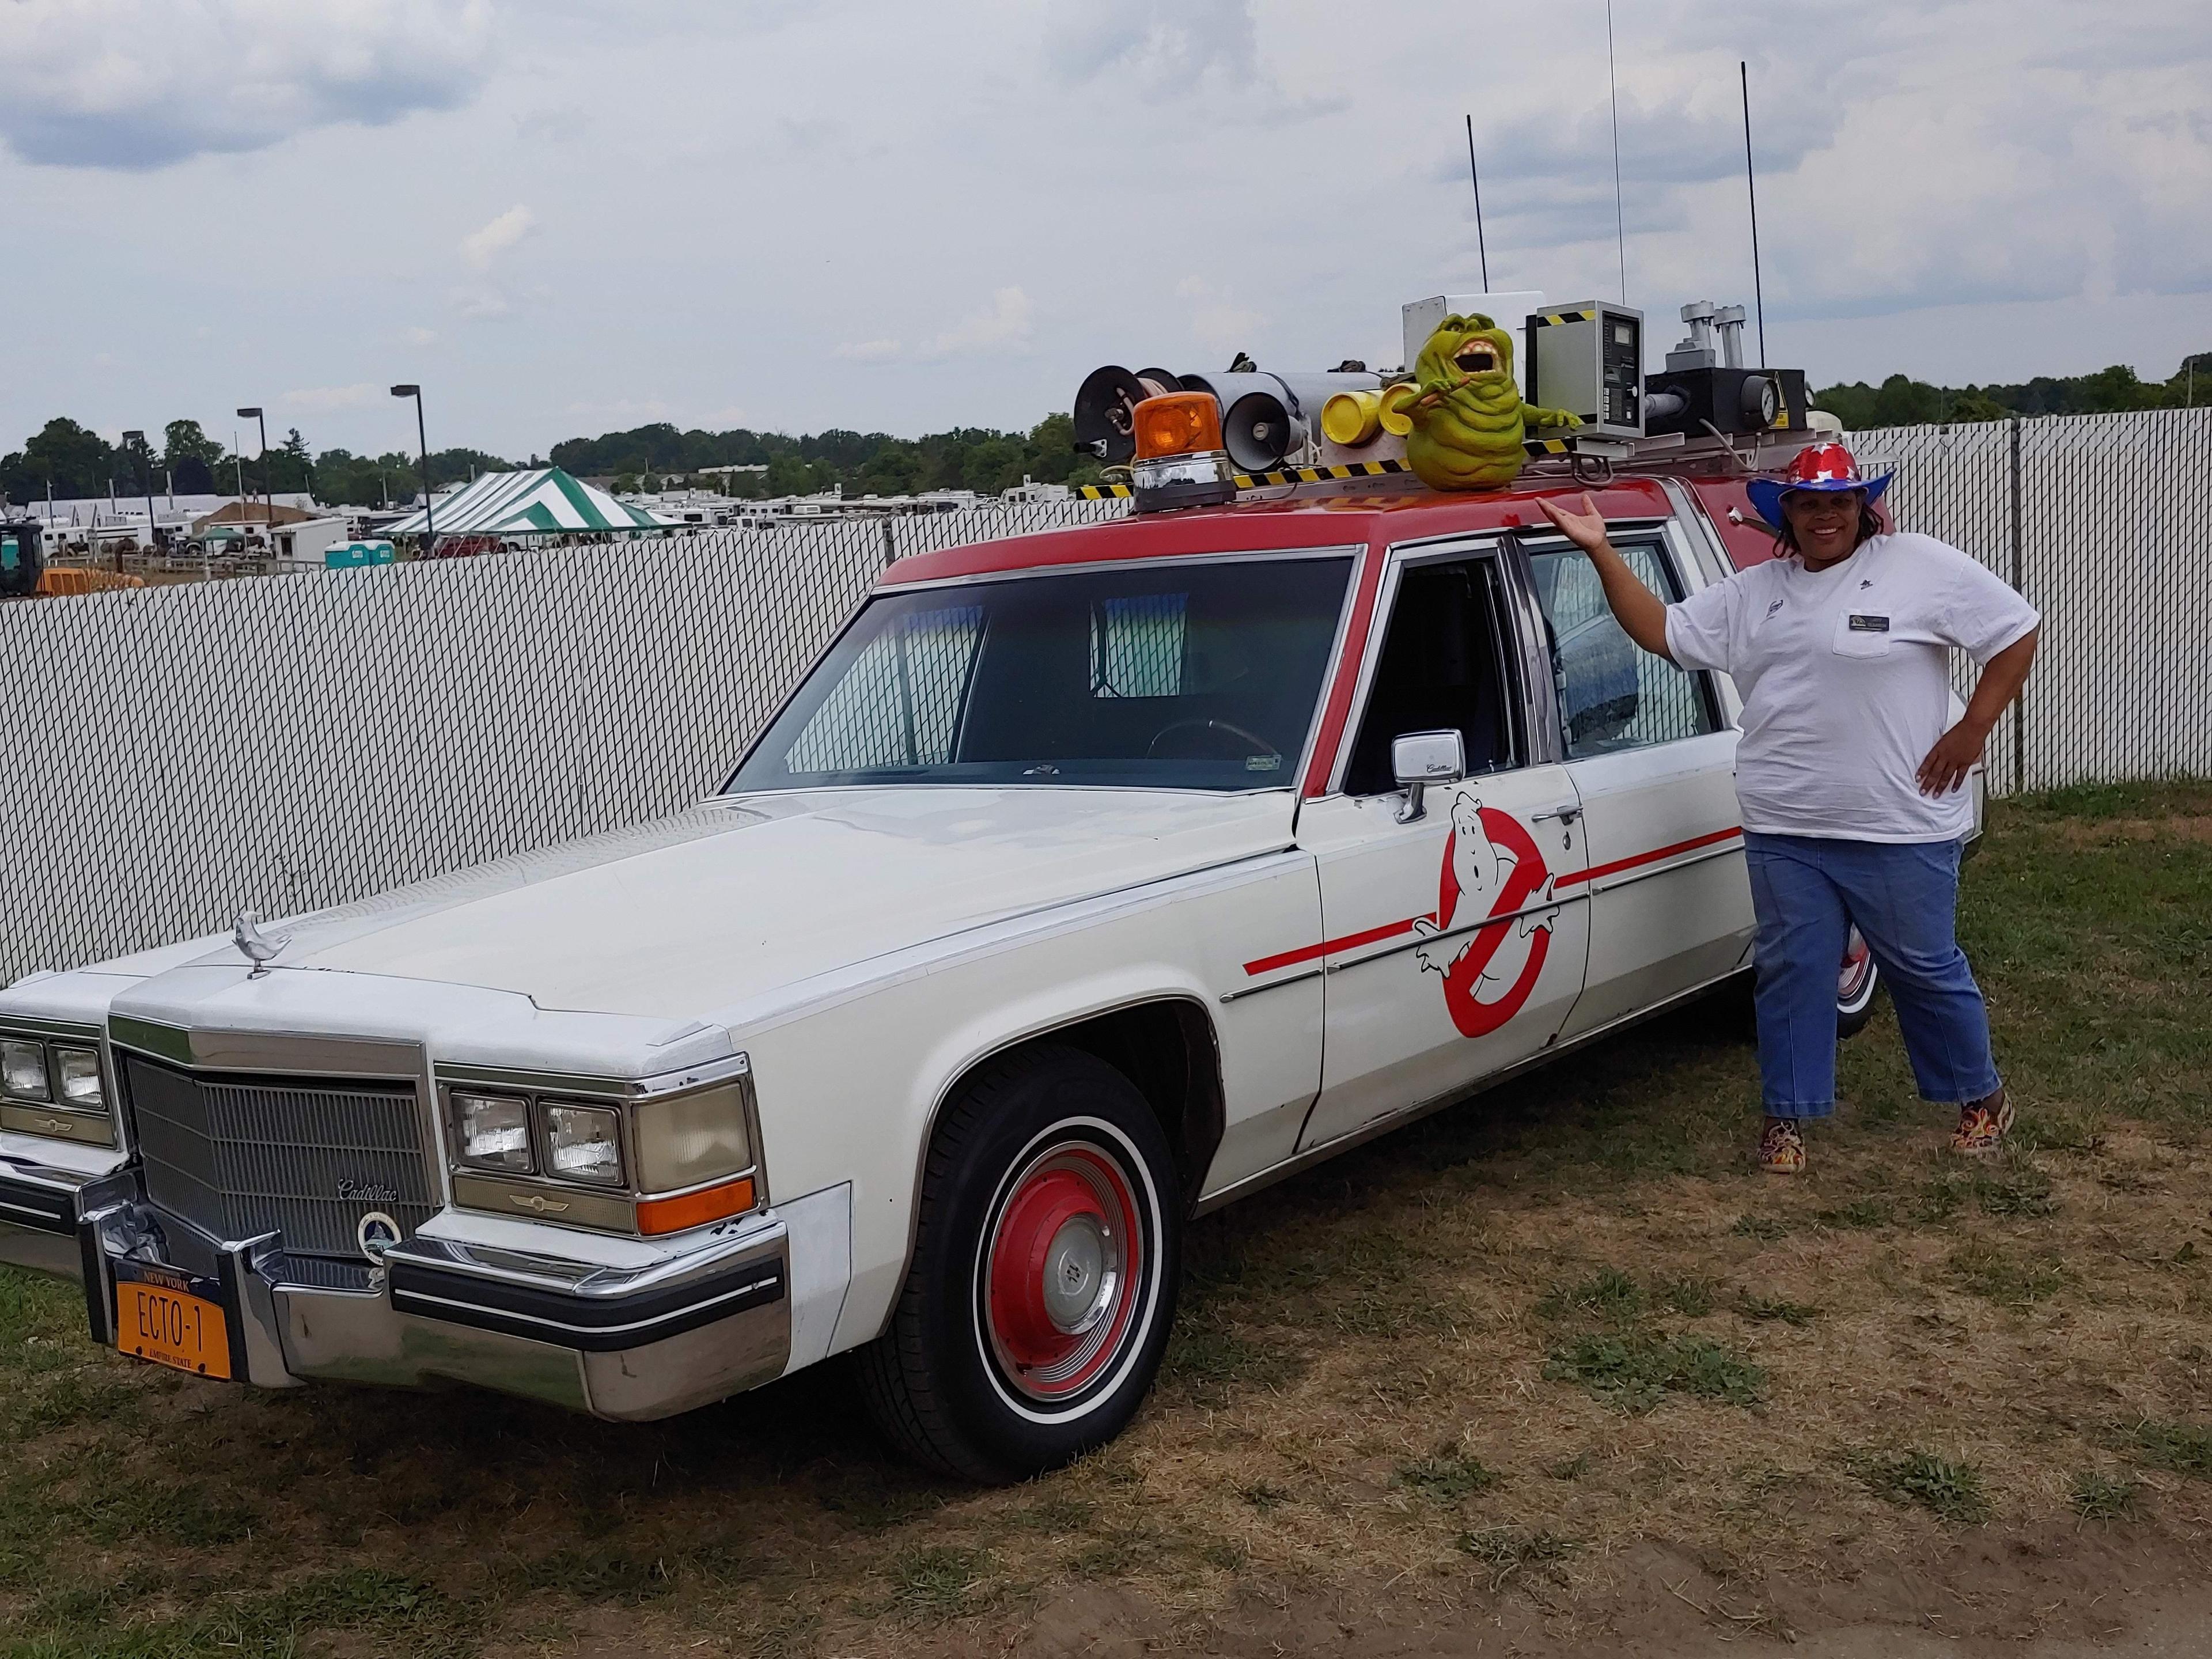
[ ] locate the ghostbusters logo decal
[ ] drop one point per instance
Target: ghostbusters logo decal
(1492, 867)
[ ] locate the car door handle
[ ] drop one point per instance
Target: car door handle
(1565, 814)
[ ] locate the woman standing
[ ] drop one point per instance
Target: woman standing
(1851, 776)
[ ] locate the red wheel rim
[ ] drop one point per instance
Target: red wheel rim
(1062, 1268)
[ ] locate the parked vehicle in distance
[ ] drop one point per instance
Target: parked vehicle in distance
(1089, 881)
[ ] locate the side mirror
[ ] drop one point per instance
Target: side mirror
(1419, 759)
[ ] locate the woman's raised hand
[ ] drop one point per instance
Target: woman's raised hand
(1585, 529)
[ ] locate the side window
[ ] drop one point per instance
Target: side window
(1612, 695)
(1442, 668)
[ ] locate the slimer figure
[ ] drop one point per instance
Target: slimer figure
(1460, 415)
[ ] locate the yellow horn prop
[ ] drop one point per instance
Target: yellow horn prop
(1351, 418)
(1393, 414)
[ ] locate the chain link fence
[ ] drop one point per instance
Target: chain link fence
(176, 754)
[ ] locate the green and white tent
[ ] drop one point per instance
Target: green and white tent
(541, 501)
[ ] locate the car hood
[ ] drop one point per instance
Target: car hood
(743, 895)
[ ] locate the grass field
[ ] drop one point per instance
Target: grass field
(1547, 1357)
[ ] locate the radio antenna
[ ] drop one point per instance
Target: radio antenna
(1751, 188)
(1612, 91)
(1475, 177)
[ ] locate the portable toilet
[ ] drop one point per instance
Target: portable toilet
(353, 555)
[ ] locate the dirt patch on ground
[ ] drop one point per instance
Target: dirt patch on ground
(1982, 1595)
(2104, 832)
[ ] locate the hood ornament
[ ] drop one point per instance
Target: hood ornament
(256, 946)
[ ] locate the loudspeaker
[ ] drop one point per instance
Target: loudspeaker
(1259, 431)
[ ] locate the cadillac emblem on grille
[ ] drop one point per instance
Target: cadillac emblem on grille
(367, 1192)
(376, 1233)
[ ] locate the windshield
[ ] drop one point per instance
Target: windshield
(1186, 676)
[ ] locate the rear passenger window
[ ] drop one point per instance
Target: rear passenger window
(1611, 694)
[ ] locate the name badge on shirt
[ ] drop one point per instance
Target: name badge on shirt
(1864, 624)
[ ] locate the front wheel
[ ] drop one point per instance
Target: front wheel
(1043, 1281)
(1856, 981)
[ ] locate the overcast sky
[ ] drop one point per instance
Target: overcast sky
(563, 218)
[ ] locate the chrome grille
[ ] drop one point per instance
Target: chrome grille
(240, 1154)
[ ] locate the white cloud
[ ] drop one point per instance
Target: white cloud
(1168, 46)
(632, 409)
(323, 398)
(142, 83)
(479, 301)
(487, 242)
(1216, 320)
(1002, 325)
(417, 335)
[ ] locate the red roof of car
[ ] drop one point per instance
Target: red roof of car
(1314, 516)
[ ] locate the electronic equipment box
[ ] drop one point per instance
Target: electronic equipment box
(1588, 358)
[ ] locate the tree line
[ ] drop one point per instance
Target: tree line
(67, 461)
(860, 463)
(70, 461)
(1901, 401)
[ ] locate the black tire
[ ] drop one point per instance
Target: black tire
(1856, 991)
(988, 1370)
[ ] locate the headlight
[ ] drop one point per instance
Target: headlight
(583, 1143)
(692, 1139)
(494, 1131)
(80, 1076)
(23, 1070)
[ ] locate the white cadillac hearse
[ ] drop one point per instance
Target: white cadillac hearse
(1089, 880)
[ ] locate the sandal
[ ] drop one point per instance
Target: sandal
(1782, 1148)
(1982, 1126)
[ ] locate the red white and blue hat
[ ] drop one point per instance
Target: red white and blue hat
(1818, 467)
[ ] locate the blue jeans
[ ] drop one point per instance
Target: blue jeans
(1806, 891)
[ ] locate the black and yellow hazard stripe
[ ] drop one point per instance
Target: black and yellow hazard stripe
(1296, 475)
(1547, 445)
(1553, 318)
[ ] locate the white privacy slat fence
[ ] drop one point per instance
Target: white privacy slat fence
(174, 755)
(2105, 522)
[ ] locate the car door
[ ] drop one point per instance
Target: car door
(1653, 763)
(1454, 942)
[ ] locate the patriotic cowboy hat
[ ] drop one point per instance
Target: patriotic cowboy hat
(1818, 467)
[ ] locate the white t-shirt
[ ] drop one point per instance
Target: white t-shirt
(1845, 678)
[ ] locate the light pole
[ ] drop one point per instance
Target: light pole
(268, 507)
(422, 447)
(146, 460)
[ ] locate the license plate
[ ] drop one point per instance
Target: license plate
(172, 1327)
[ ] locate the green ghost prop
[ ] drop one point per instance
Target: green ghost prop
(1460, 415)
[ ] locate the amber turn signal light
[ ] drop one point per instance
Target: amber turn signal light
(686, 1209)
(1177, 424)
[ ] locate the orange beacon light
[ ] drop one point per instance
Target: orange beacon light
(1180, 460)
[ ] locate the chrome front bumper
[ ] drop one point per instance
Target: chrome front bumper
(625, 1344)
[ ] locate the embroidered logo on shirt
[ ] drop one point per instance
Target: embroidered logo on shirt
(1868, 624)
(1775, 606)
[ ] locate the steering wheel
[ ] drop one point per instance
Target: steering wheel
(1253, 742)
